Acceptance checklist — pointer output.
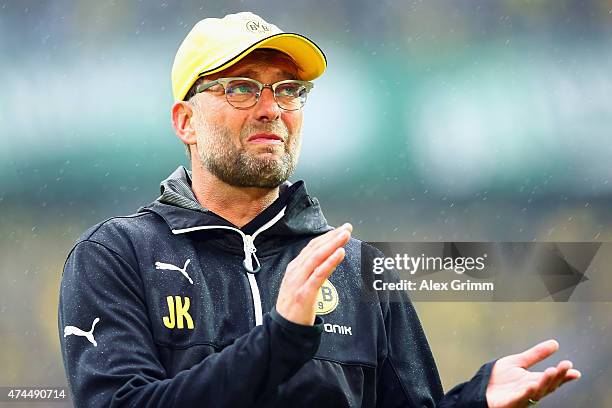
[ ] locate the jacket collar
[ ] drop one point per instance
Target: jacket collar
(178, 207)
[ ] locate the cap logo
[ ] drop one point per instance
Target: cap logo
(257, 27)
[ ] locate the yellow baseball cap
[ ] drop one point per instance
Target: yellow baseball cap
(215, 44)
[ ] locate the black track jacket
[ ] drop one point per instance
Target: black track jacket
(174, 307)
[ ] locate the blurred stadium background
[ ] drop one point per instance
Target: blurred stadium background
(436, 120)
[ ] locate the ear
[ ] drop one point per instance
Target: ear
(181, 122)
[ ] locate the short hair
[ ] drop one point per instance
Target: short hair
(258, 55)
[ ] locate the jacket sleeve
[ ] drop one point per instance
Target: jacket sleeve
(408, 376)
(111, 359)
(471, 393)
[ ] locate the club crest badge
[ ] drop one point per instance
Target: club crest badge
(327, 299)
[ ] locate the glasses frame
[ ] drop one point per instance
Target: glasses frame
(225, 81)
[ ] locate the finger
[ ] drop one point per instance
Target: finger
(562, 368)
(335, 232)
(307, 251)
(318, 257)
(545, 383)
(323, 271)
(339, 235)
(315, 252)
(572, 374)
(348, 226)
(318, 242)
(529, 392)
(535, 354)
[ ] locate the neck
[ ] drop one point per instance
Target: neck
(238, 205)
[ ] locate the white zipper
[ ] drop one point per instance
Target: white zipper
(256, 299)
(249, 254)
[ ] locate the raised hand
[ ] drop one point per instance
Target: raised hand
(307, 272)
(512, 386)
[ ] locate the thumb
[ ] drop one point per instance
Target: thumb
(535, 354)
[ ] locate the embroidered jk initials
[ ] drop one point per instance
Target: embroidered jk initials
(177, 312)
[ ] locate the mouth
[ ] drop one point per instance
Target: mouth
(269, 138)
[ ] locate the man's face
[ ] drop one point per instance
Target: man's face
(254, 147)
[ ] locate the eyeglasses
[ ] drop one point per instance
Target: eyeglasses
(243, 93)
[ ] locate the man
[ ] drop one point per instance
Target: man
(221, 293)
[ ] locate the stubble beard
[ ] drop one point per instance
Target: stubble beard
(239, 168)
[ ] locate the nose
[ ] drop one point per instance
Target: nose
(266, 109)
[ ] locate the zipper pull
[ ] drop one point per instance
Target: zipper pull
(249, 254)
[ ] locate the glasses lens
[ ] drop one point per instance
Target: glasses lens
(291, 95)
(242, 93)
